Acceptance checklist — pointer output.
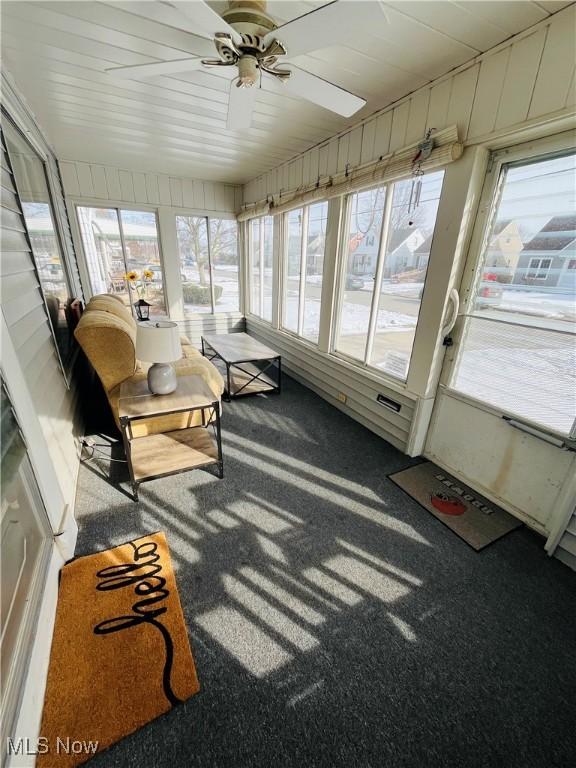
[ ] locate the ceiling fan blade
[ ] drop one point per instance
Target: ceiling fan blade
(331, 24)
(240, 107)
(206, 21)
(156, 68)
(321, 92)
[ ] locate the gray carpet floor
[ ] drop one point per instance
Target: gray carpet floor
(334, 622)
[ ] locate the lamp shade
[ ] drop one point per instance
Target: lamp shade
(158, 342)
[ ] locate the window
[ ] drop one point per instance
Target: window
(518, 346)
(260, 266)
(385, 260)
(34, 194)
(208, 251)
(119, 242)
(303, 269)
(539, 268)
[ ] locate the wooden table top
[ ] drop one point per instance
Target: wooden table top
(239, 347)
(136, 400)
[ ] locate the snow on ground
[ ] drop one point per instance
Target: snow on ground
(532, 375)
(554, 306)
(355, 319)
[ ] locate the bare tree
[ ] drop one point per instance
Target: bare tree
(193, 239)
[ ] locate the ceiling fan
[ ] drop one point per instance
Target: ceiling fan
(249, 43)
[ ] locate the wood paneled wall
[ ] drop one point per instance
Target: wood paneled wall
(102, 182)
(528, 79)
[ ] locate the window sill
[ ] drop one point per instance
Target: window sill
(334, 357)
(199, 315)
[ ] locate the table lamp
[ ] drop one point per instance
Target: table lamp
(159, 343)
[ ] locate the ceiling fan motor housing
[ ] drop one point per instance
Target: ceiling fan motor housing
(249, 17)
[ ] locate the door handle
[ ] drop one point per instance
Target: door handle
(454, 300)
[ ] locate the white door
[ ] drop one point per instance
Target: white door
(505, 413)
(26, 544)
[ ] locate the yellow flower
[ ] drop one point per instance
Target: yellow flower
(148, 274)
(132, 276)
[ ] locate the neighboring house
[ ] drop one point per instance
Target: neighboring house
(549, 259)
(422, 253)
(364, 247)
(401, 249)
(504, 250)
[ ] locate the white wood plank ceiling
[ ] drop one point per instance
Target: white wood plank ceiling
(58, 53)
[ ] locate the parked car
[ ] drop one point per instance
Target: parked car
(354, 282)
(490, 291)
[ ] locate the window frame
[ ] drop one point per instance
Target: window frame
(305, 208)
(207, 216)
(341, 268)
(277, 275)
(519, 153)
(66, 366)
(118, 207)
(537, 270)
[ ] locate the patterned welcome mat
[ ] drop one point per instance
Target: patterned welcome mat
(471, 516)
(120, 654)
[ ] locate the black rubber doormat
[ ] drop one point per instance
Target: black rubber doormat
(471, 516)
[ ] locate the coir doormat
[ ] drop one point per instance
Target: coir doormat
(120, 653)
(471, 516)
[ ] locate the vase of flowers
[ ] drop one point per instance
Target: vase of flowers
(140, 283)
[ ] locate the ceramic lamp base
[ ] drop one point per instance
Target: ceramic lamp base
(161, 379)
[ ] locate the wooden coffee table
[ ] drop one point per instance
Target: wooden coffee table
(180, 450)
(248, 366)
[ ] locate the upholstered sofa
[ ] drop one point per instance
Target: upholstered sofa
(107, 334)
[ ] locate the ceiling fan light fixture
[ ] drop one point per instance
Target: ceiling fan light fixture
(247, 71)
(247, 38)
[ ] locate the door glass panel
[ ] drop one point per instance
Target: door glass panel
(518, 350)
(192, 233)
(405, 265)
(34, 194)
(224, 258)
(365, 215)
